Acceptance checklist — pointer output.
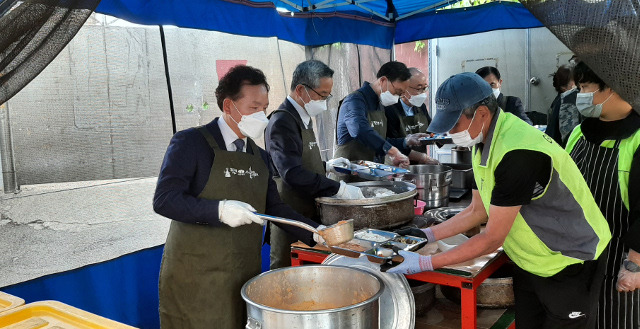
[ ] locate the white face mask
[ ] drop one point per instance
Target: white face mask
(496, 92)
(584, 103)
(314, 107)
(464, 139)
(564, 94)
(387, 98)
(418, 100)
(252, 125)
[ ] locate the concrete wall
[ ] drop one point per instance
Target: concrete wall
(518, 54)
(100, 110)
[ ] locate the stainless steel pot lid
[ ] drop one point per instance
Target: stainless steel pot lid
(397, 306)
(401, 190)
(441, 214)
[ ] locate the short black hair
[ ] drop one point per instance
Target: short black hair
(394, 71)
(238, 76)
(487, 70)
(561, 77)
(583, 74)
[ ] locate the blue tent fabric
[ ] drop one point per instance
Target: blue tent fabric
(454, 22)
(311, 26)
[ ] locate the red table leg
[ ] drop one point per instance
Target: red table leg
(468, 300)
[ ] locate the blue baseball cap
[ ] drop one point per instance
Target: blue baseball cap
(457, 93)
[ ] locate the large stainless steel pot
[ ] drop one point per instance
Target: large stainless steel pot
(372, 212)
(461, 155)
(314, 296)
(432, 183)
(461, 176)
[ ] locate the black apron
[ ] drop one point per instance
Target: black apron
(280, 240)
(418, 123)
(599, 166)
(204, 267)
(354, 150)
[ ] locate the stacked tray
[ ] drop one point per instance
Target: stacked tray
(377, 245)
(371, 170)
(437, 138)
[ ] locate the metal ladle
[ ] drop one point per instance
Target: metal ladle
(333, 235)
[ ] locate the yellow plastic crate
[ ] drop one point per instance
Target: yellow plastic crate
(54, 315)
(8, 302)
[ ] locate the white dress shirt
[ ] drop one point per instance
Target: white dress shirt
(306, 119)
(229, 136)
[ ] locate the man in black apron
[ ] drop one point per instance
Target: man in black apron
(362, 125)
(300, 172)
(213, 178)
(409, 115)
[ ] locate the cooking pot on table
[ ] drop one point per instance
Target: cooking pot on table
(372, 212)
(313, 296)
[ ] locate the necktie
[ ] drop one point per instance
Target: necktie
(239, 143)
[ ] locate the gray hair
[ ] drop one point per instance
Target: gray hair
(309, 73)
(490, 102)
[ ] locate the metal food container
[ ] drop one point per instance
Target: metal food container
(371, 212)
(461, 176)
(432, 182)
(313, 296)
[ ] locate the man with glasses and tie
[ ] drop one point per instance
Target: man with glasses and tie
(409, 115)
(299, 170)
(212, 181)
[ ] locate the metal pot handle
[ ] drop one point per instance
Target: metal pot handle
(253, 324)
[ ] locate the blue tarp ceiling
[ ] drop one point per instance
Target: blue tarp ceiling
(379, 23)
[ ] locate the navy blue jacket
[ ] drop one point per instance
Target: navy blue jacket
(353, 122)
(283, 141)
(184, 173)
(513, 105)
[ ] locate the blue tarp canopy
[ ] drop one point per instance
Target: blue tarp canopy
(379, 23)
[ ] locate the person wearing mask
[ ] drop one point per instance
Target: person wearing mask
(409, 115)
(606, 149)
(362, 125)
(509, 104)
(547, 221)
(212, 181)
(563, 114)
(299, 171)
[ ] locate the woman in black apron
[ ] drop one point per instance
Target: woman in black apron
(605, 148)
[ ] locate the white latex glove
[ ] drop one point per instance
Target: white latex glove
(398, 159)
(316, 237)
(627, 280)
(347, 191)
(428, 160)
(414, 139)
(337, 162)
(235, 213)
(413, 263)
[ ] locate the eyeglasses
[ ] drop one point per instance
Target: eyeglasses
(324, 98)
(419, 90)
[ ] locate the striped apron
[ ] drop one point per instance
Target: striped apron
(599, 166)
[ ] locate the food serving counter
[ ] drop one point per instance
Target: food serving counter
(467, 277)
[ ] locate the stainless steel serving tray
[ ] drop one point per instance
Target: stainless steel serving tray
(378, 250)
(371, 170)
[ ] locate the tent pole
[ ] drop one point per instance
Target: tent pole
(166, 73)
(7, 164)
